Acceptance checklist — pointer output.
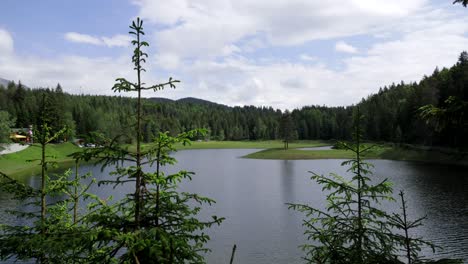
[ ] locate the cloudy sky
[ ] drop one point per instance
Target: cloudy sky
(280, 53)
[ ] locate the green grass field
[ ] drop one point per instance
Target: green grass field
(16, 164)
(297, 154)
(377, 152)
(251, 144)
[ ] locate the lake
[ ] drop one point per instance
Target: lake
(252, 194)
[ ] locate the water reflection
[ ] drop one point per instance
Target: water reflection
(287, 180)
(251, 194)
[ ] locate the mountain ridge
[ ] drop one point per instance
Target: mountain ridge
(4, 82)
(190, 100)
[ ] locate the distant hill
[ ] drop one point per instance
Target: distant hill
(193, 100)
(4, 82)
(160, 99)
(187, 100)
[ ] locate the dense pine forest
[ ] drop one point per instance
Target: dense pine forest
(393, 114)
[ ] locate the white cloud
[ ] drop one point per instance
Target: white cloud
(211, 25)
(342, 46)
(407, 59)
(82, 38)
(281, 85)
(6, 43)
(115, 41)
(167, 61)
(294, 84)
(392, 8)
(75, 74)
(307, 57)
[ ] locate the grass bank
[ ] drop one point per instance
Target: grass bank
(377, 152)
(298, 154)
(16, 164)
(267, 144)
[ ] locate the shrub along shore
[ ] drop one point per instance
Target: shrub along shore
(23, 162)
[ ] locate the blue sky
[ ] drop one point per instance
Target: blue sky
(281, 53)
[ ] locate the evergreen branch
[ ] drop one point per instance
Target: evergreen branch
(171, 83)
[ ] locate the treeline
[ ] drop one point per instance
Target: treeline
(392, 114)
(115, 115)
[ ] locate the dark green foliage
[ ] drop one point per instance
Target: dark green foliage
(393, 114)
(352, 229)
(115, 115)
(451, 118)
(53, 239)
(50, 234)
(320, 122)
(464, 2)
(167, 229)
(6, 123)
(287, 129)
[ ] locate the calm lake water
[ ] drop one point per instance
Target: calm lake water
(251, 194)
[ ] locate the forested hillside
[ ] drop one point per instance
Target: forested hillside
(115, 115)
(393, 113)
(390, 115)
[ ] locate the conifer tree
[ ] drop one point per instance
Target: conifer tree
(287, 129)
(155, 223)
(411, 246)
(352, 229)
(49, 235)
(5, 127)
(464, 2)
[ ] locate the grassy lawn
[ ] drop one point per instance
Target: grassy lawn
(268, 144)
(296, 154)
(15, 164)
(377, 152)
(251, 144)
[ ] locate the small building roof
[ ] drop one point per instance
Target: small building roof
(17, 136)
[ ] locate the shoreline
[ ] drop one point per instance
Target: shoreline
(26, 161)
(429, 156)
(16, 164)
(6, 148)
